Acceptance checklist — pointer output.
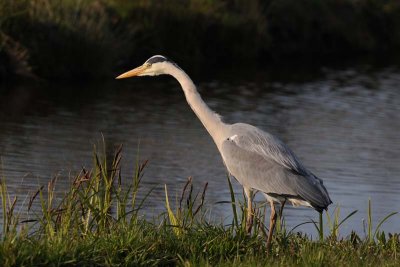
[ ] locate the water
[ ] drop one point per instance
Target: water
(343, 125)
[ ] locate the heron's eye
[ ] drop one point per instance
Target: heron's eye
(148, 65)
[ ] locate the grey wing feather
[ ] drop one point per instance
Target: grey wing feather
(263, 162)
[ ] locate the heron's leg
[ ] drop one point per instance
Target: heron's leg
(249, 213)
(272, 222)
(281, 209)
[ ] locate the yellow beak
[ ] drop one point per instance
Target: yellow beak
(135, 72)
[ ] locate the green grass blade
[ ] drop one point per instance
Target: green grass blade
(345, 219)
(382, 221)
(321, 227)
(172, 218)
(233, 203)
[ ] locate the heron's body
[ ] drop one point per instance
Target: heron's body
(261, 162)
(257, 159)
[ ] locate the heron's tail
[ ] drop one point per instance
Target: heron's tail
(325, 198)
(315, 193)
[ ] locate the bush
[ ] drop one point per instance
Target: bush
(91, 39)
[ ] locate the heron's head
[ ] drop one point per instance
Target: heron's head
(156, 65)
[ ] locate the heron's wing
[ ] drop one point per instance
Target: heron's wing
(263, 162)
(269, 147)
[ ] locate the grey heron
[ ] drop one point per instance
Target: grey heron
(259, 161)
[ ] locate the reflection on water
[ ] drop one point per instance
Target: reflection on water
(344, 125)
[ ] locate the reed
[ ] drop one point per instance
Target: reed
(99, 221)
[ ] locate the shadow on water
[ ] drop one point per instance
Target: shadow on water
(342, 123)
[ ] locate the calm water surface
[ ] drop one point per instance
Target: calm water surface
(343, 124)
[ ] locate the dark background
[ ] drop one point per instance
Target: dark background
(92, 40)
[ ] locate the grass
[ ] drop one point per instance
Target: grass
(93, 39)
(99, 221)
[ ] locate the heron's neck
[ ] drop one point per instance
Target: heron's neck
(211, 120)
